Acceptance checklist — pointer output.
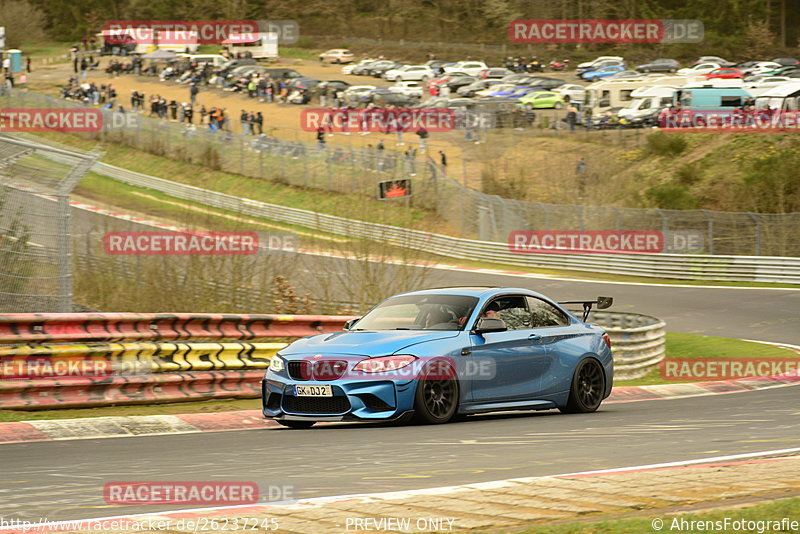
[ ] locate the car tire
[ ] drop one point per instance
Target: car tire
(646, 71)
(529, 106)
(296, 425)
(558, 105)
(588, 387)
(425, 79)
(436, 400)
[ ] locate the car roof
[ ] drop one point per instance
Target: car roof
(474, 291)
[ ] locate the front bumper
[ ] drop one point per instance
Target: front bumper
(367, 400)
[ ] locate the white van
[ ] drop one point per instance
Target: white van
(255, 45)
(216, 60)
(607, 94)
(785, 97)
(647, 100)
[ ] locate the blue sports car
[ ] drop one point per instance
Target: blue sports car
(434, 354)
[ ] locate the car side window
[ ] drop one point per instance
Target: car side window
(544, 314)
(512, 309)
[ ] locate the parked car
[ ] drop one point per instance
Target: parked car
(379, 69)
(362, 68)
(303, 83)
(576, 93)
(336, 85)
(765, 81)
(542, 100)
(501, 87)
(408, 88)
(659, 65)
(348, 69)
(698, 69)
(480, 85)
(714, 59)
(409, 73)
(437, 65)
(602, 72)
(726, 73)
(473, 68)
(627, 74)
(598, 62)
(385, 98)
(783, 71)
(786, 61)
(759, 67)
(545, 84)
(355, 94)
(337, 55)
(281, 73)
(495, 72)
(432, 354)
(506, 92)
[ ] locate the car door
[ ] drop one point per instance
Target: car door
(507, 365)
(561, 342)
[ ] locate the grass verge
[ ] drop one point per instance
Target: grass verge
(761, 514)
(697, 346)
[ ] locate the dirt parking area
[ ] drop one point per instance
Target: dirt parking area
(280, 120)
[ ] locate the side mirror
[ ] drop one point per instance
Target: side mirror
(349, 324)
(487, 324)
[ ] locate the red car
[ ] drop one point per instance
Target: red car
(725, 73)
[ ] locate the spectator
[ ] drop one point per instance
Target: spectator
(244, 118)
(259, 123)
(443, 160)
(572, 116)
(173, 110)
(423, 136)
(193, 90)
(321, 137)
(323, 96)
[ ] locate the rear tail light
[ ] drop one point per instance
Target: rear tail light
(607, 340)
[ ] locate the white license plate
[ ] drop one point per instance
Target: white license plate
(313, 391)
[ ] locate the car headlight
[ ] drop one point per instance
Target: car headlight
(384, 363)
(276, 364)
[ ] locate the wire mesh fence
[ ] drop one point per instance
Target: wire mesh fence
(35, 249)
(468, 212)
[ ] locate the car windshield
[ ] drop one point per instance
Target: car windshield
(419, 312)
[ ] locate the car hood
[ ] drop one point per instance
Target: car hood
(367, 343)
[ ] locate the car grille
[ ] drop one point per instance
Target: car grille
(315, 405)
(318, 370)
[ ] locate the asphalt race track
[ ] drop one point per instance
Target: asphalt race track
(64, 480)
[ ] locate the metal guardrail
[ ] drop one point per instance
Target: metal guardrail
(678, 266)
(142, 371)
(637, 342)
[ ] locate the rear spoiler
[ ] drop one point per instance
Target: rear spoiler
(602, 304)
